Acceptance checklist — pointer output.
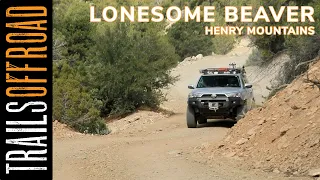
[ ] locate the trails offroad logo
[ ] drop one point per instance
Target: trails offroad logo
(26, 43)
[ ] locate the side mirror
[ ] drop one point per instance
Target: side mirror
(248, 85)
(191, 86)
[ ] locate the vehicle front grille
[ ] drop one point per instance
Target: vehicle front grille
(209, 95)
(206, 101)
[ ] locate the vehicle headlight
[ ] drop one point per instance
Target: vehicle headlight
(195, 95)
(236, 94)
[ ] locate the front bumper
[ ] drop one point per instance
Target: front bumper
(226, 106)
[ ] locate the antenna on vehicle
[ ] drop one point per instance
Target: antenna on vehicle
(243, 70)
(233, 65)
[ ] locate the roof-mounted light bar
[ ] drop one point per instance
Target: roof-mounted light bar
(231, 70)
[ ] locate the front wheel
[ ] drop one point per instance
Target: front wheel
(191, 119)
(241, 111)
(202, 120)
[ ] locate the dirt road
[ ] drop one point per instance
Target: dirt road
(151, 146)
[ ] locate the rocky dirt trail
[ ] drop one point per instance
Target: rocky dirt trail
(149, 145)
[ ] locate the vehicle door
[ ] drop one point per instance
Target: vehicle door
(248, 92)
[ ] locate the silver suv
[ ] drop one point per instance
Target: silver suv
(220, 93)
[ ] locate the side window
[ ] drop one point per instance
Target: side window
(243, 81)
(200, 83)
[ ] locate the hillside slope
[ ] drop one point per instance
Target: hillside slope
(284, 135)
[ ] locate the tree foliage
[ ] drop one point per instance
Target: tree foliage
(73, 104)
(299, 48)
(131, 66)
(189, 39)
(106, 69)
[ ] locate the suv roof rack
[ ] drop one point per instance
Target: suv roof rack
(232, 69)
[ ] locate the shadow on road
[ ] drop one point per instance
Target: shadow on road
(218, 123)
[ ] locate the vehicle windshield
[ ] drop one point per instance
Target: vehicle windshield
(218, 81)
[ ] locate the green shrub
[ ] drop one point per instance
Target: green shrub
(223, 44)
(275, 91)
(300, 49)
(106, 69)
(73, 105)
(89, 124)
(72, 21)
(316, 6)
(189, 39)
(130, 66)
(59, 45)
(255, 58)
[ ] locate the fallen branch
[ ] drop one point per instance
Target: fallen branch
(307, 62)
(268, 88)
(303, 63)
(277, 88)
(314, 82)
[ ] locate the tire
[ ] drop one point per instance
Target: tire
(191, 119)
(241, 111)
(202, 120)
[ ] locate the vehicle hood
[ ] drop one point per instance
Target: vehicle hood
(217, 90)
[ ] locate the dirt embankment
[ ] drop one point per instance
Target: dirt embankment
(61, 131)
(284, 134)
(262, 77)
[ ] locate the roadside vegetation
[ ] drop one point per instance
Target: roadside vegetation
(111, 69)
(106, 69)
(300, 49)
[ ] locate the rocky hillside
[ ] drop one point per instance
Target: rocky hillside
(283, 135)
